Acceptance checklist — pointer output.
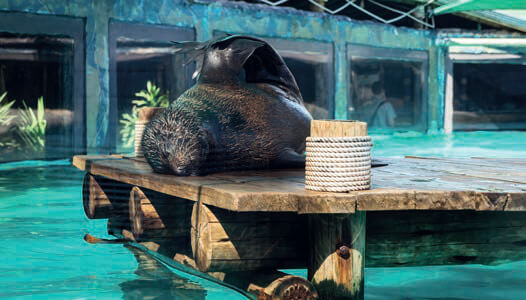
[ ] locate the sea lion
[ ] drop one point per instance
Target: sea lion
(245, 112)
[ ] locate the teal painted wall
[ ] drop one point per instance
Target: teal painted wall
(229, 17)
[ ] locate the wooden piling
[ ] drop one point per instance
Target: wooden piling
(102, 197)
(156, 215)
(337, 241)
(336, 260)
(225, 241)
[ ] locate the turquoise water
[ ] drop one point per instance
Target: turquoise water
(44, 256)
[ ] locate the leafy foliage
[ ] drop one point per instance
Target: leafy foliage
(5, 119)
(32, 127)
(151, 97)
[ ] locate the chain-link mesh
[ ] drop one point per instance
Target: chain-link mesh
(417, 13)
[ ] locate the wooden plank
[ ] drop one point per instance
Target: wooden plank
(83, 162)
(465, 167)
(409, 238)
(405, 184)
(433, 175)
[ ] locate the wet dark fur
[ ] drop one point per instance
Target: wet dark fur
(231, 122)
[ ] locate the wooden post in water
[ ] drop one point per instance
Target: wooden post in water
(225, 241)
(103, 198)
(159, 216)
(337, 241)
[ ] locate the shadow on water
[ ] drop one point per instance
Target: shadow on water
(158, 282)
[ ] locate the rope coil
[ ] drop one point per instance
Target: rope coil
(338, 164)
(139, 130)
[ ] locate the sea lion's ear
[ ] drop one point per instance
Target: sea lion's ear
(194, 51)
(242, 49)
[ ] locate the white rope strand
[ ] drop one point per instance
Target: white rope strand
(338, 164)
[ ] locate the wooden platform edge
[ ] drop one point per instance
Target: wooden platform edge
(379, 199)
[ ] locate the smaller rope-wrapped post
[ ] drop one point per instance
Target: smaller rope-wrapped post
(338, 157)
(146, 114)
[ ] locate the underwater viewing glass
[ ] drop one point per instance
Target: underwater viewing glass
(41, 88)
(311, 63)
(144, 72)
(387, 88)
(489, 96)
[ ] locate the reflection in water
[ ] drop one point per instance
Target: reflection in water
(158, 282)
(44, 257)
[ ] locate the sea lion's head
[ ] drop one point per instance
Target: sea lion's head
(174, 144)
(238, 59)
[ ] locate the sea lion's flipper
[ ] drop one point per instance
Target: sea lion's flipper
(224, 60)
(288, 158)
(375, 163)
(265, 65)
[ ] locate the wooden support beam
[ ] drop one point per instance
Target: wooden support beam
(103, 197)
(336, 257)
(157, 215)
(417, 238)
(225, 241)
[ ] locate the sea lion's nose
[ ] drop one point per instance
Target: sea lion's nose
(182, 171)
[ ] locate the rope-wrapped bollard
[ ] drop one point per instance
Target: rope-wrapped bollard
(139, 130)
(340, 159)
(146, 114)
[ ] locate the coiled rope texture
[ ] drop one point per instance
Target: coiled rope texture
(338, 164)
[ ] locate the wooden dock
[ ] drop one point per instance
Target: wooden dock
(240, 225)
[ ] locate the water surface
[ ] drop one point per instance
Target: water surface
(42, 224)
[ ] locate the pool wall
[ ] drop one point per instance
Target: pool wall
(207, 17)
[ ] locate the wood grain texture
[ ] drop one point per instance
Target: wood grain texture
(337, 128)
(96, 203)
(290, 287)
(336, 255)
(410, 238)
(103, 197)
(405, 184)
(224, 241)
(157, 215)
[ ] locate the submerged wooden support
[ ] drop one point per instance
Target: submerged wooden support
(103, 197)
(417, 238)
(336, 256)
(284, 287)
(225, 241)
(157, 215)
(155, 281)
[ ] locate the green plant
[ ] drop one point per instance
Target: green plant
(128, 121)
(151, 97)
(5, 119)
(32, 127)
